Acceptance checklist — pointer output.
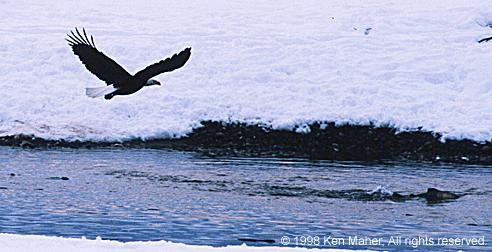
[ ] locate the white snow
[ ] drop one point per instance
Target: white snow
(29, 243)
(280, 63)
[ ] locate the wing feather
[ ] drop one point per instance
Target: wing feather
(95, 61)
(176, 61)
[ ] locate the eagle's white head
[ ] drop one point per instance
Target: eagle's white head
(152, 82)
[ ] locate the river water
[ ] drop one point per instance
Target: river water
(142, 194)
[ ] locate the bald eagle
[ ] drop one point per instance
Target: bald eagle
(118, 80)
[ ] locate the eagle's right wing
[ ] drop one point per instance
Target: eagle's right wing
(170, 64)
(95, 61)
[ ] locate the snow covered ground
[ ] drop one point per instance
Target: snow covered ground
(29, 243)
(407, 63)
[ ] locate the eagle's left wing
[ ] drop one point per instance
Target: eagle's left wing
(95, 61)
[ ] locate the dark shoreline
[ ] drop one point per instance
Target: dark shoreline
(342, 142)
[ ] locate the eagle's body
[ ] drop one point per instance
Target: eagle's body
(118, 80)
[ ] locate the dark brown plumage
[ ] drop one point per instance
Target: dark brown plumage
(118, 80)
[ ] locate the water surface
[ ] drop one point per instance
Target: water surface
(137, 194)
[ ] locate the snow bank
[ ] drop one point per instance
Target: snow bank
(405, 63)
(29, 243)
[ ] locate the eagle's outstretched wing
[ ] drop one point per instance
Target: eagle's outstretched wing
(95, 61)
(167, 65)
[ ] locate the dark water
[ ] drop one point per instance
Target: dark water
(131, 195)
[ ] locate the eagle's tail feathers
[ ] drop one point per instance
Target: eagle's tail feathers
(100, 91)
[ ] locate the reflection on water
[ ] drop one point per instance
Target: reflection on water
(131, 195)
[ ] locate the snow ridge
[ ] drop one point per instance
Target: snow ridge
(409, 64)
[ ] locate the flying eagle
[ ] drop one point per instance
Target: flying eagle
(118, 80)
